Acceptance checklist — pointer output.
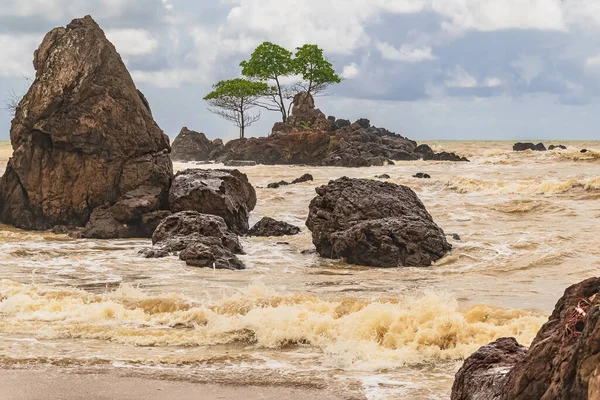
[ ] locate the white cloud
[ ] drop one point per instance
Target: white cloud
(593, 61)
(460, 78)
(493, 82)
(132, 42)
(350, 71)
(406, 53)
(61, 10)
(17, 54)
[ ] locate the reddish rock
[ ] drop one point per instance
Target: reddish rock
(193, 146)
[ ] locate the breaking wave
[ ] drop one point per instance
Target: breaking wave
(548, 187)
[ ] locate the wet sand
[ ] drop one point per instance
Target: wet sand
(58, 384)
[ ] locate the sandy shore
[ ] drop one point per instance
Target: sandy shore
(58, 384)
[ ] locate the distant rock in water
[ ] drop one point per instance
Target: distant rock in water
(83, 137)
(193, 146)
(302, 179)
(383, 176)
(422, 175)
(240, 163)
(222, 192)
(560, 146)
(201, 240)
(584, 150)
(374, 223)
(311, 138)
(561, 363)
(428, 154)
(271, 227)
(529, 146)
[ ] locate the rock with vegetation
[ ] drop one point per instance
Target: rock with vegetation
(271, 227)
(193, 146)
(374, 223)
(83, 136)
(222, 192)
(201, 240)
(561, 363)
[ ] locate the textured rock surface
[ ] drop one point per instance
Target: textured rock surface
(311, 138)
(528, 146)
(193, 146)
(226, 193)
(374, 223)
(201, 240)
(82, 136)
(302, 179)
(271, 227)
(561, 362)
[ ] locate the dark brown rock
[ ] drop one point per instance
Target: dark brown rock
(226, 193)
(150, 222)
(240, 163)
(560, 146)
(383, 176)
(529, 146)
(374, 223)
(103, 225)
(584, 150)
(561, 362)
(271, 227)
(422, 175)
(306, 115)
(82, 136)
(203, 240)
(302, 179)
(193, 146)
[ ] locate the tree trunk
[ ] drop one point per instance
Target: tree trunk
(281, 103)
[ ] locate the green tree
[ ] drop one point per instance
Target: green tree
(316, 71)
(233, 98)
(270, 62)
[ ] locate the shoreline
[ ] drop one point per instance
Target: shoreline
(59, 383)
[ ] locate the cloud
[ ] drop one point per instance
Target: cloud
(132, 42)
(17, 54)
(493, 82)
(593, 61)
(406, 53)
(350, 71)
(528, 67)
(460, 78)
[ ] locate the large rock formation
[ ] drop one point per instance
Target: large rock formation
(226, 193)
(193, 146)
(308, 137)
(201, 240)
(561, 363)
(519, 146)
(83, 136)
(374, 223)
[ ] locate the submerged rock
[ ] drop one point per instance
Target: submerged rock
(422, 175)
(83, 136)
(561, 363)
(240, 163)
(226, 193)
(383, 176)
(271, 227)
(529, 146)
(203, 240)
(193, 146)
(302, 179)
(584, 150)
(374, 223)
(560, 146)
(428, 154)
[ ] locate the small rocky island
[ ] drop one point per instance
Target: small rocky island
(310, 138)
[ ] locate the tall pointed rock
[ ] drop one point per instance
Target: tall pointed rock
(83, 135)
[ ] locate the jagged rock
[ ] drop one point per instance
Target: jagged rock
(306, 115)
(364, 123)
(82, 136)
(104, 225)
(483, 374)
(151, 221)
(422, 175)
(428, 154)
(240, 163)
(560, 146)
(270, 227)
(302, 179)
(374, 223)
(561, 362)
(226, 193)
(529, 146)
(341, 123)
(193, 146)
(196, 236)
(383, 176)
(135, 203)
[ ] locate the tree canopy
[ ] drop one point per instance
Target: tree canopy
(232, 99)
(317, 72)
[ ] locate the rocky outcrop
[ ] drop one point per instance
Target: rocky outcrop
(560, 146)
(302, 179)
(529, 146)
(83, 137)
(271, 227)
(422, 175)
(201, 240)
(374, 223)
(428, 154)
(226, 193)
(561, 363)
(312, 139)
(193, 146)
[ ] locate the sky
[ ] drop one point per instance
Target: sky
(426, 69)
